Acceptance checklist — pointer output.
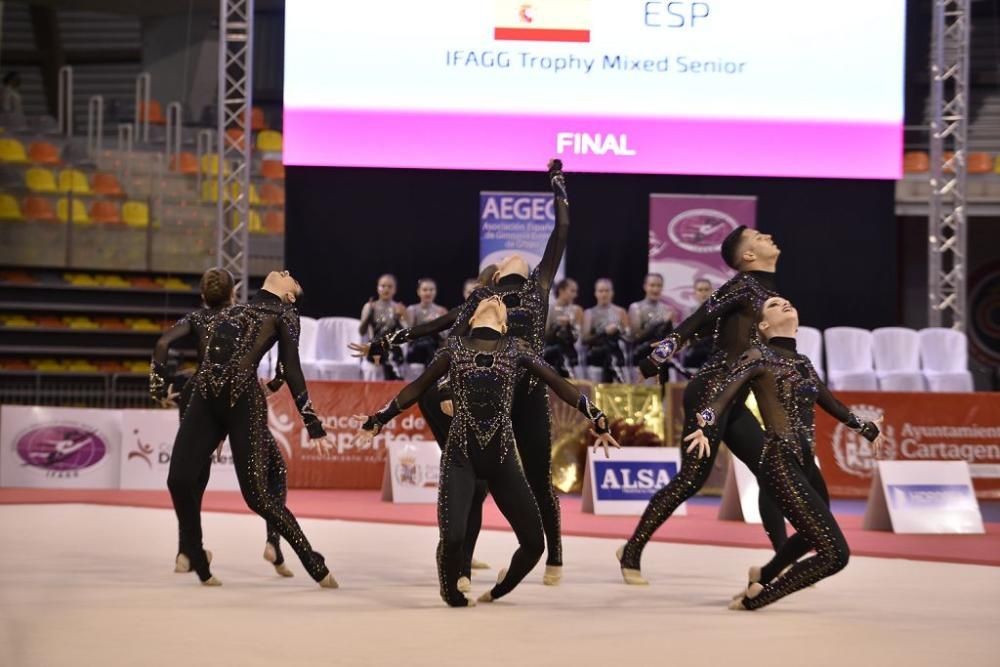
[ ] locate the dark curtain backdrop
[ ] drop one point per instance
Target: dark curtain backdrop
(345, 227)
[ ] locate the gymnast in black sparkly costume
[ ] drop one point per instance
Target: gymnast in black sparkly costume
(525, 293)
(788, 390)
(732, 309)
(227, 399)
(485, 368)
(217, 294)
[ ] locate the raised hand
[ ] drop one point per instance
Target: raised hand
(359, 350)
(363, 436)
(170, 400)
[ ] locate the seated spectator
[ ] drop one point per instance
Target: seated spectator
(380, 317)
(422, 349)
(562, 329)
(605, 327)
(700, 348)
(650, 319)
(469, 287)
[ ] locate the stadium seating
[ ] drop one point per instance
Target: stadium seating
(153, 113)
(135, 214)
(979, 163)
(184, 163)
(257, 120)
(274, 222)
(272, 170)
(272, 195)
(40, 180)
(810, 343)
(105, 212)
(944, 354)
(333, 360)
(269, 141)
(75, 181)
(77, 212)
(12, 150)
(106, 184)
(849, 359)
(43, 152)
(38, 208)
(9, 208)
(896, 352)
(916, 162)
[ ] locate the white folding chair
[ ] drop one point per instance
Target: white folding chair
(897, 359)
(809, 342)
(334, 360)
(268, 363)
(849, 359)
(944, 353)
(308, 332)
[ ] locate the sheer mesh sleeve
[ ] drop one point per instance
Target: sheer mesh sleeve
(841, 412)
(158, 380)
(556, 245)
(288, 354)
(435, 370)
(564, 390)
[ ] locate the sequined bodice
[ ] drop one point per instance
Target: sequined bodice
(797, 387)
(385, 318)
(482, 384)
(202, 324)
(241, 335)
(527, 307)
(745, 293)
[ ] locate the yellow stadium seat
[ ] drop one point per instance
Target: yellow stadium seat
(135, 214)
(996, 165)
(269, 141)
(234, 191)
(79, 211)
(12, 150)
(40, 180)
(9, 208)
(255, 223)
(75, 181)
(210, 165)
(210, 191)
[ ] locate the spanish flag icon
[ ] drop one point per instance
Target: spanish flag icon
(543, 20)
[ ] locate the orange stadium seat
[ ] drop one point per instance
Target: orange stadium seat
(916, 162)
(154, 113)
(184, 163)
(235, 135)
(257, 120)
(106, 184)
(269, 141)
(38, 208)
(77, 212)
(12, 150)
(979, 163)
(273, 170)
(272, 195)
(105, 212)
(9, 208)
(40, 180)
(42, 152)
(274, 222)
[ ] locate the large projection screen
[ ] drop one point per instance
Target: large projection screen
(806, 88)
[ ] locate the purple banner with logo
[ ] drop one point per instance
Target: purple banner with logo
(685, 237)
(42, 447)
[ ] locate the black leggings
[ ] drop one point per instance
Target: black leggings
(745, 439)
(808, 510)
(797, 545)
(439, 423)
(206, 422)
(459, 474)
(277, 479)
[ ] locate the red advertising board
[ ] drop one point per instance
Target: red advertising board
(918, 427)
(340, 462)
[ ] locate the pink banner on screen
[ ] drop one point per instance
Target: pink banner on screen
(724, 147)
(685, 239)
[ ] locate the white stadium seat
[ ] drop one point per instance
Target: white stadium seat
(849, 359)
(809, 341)
(896, 351)
(944, 353)
(333, 358)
